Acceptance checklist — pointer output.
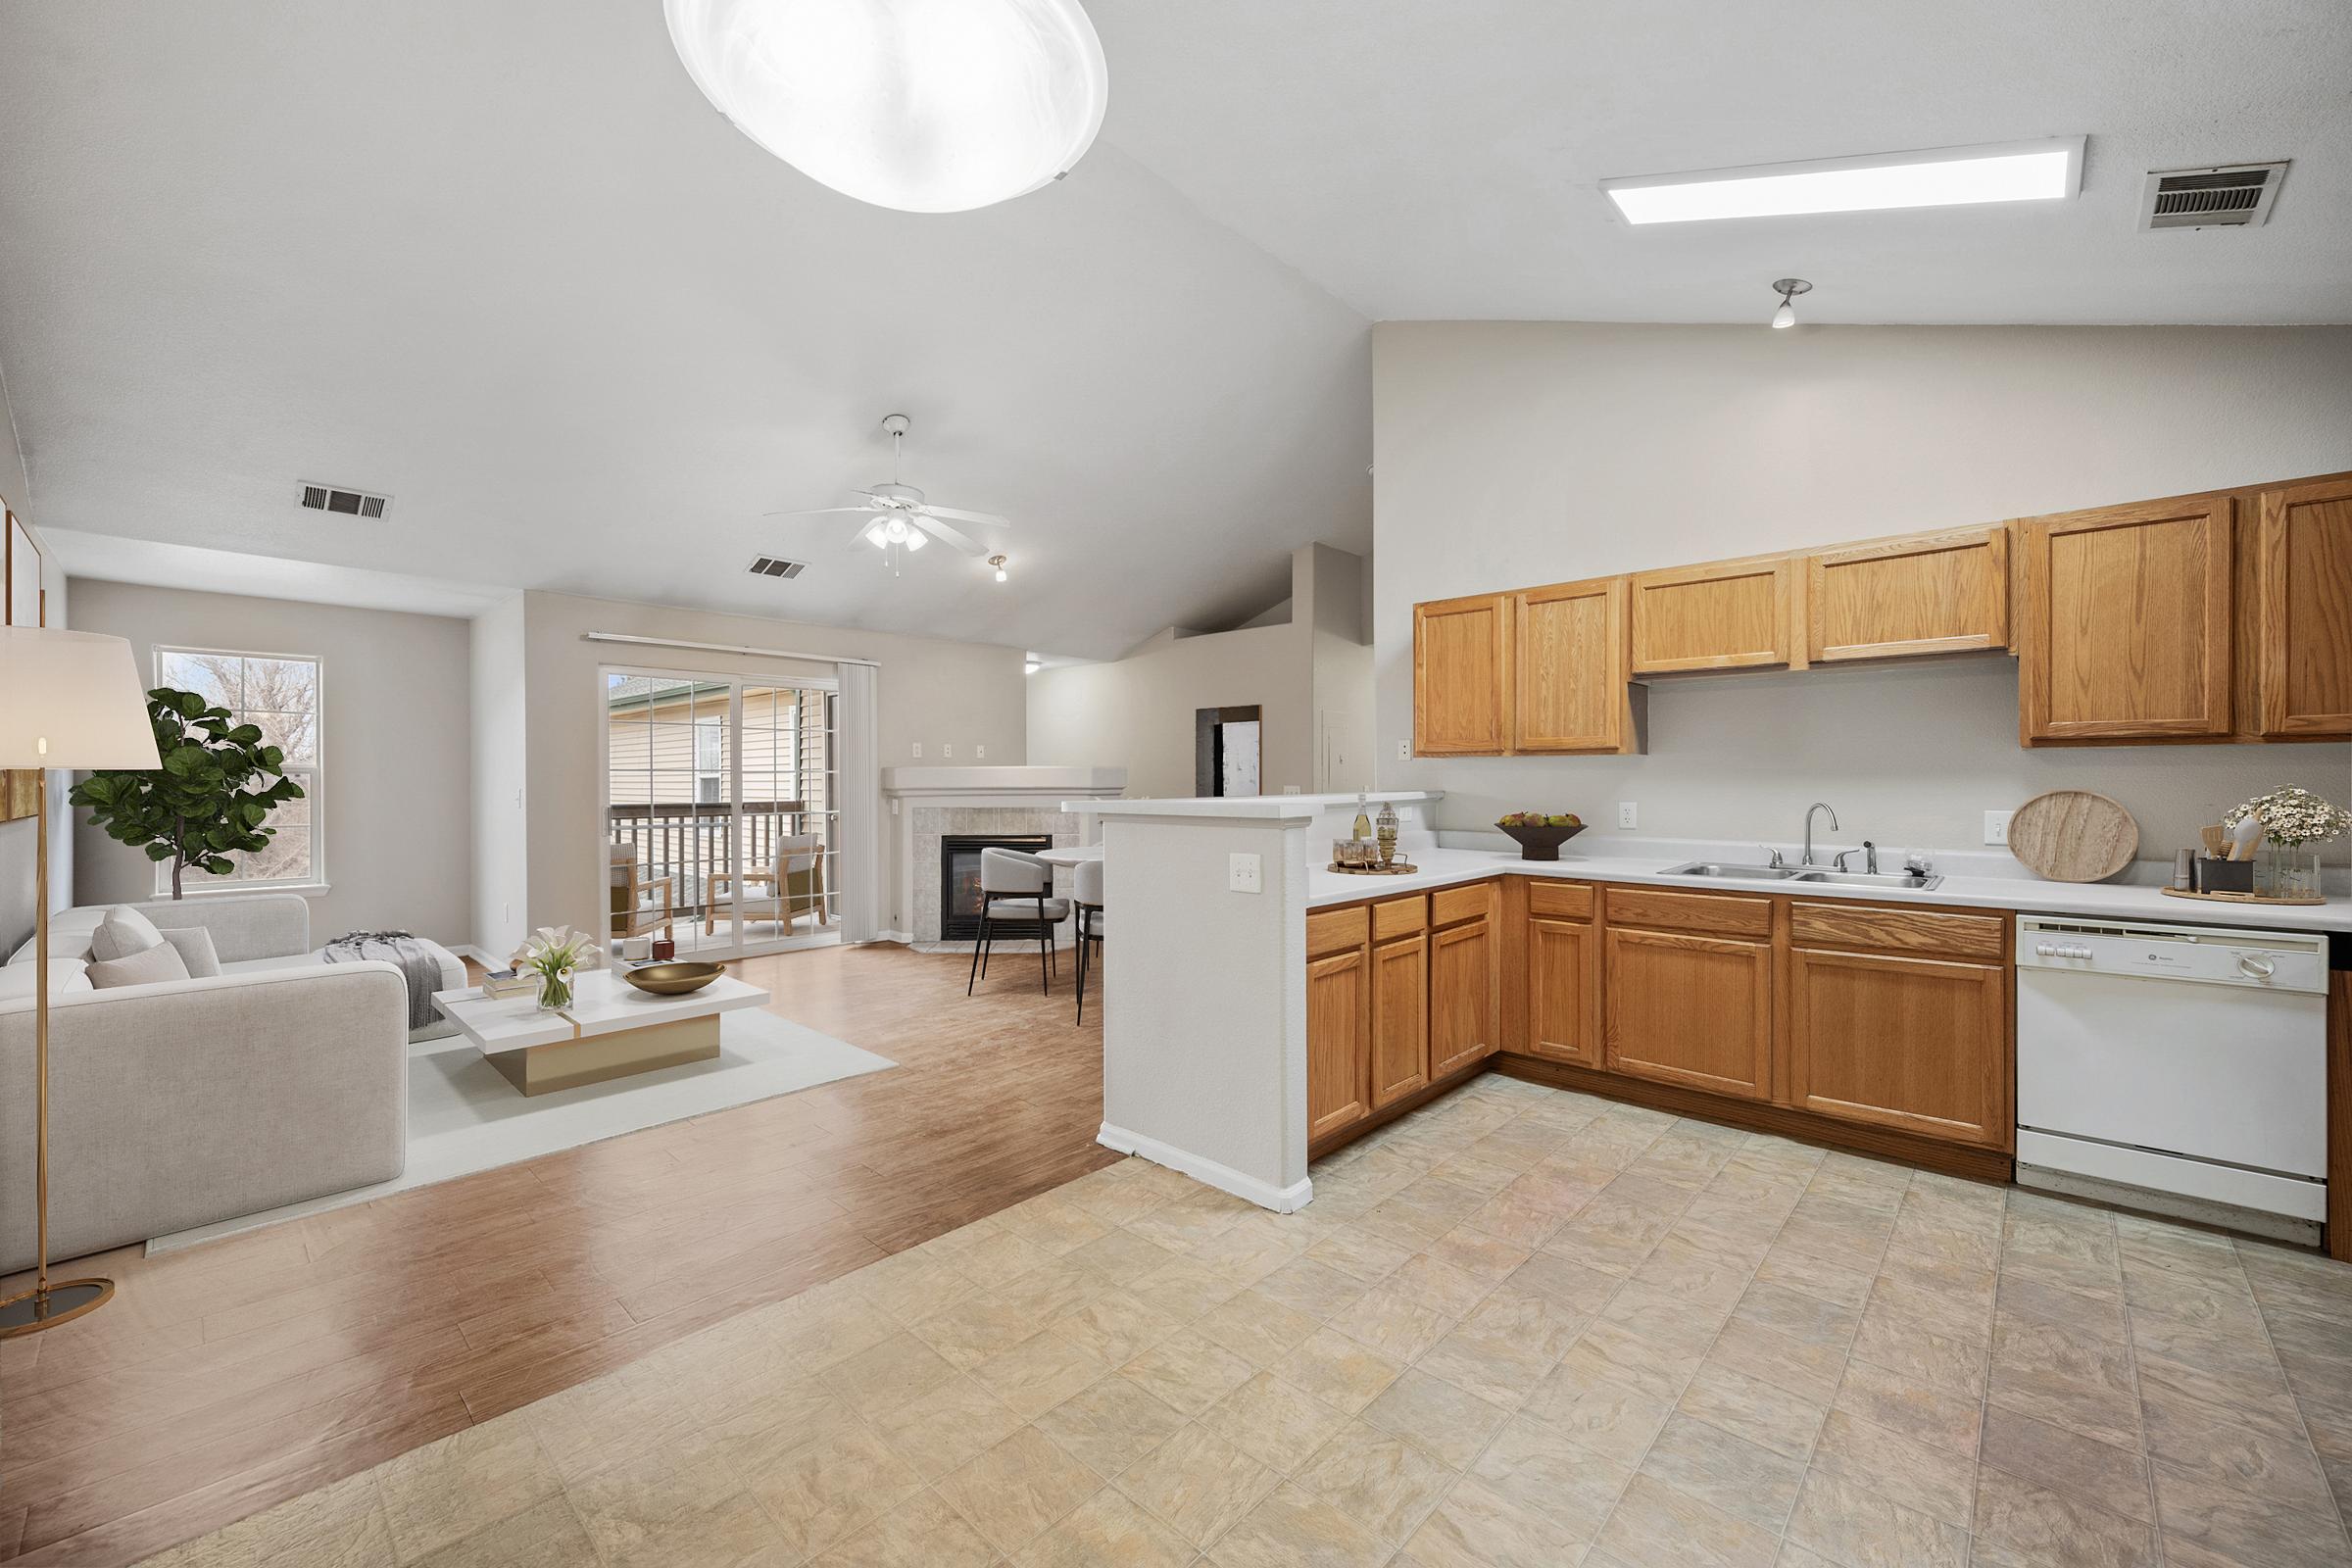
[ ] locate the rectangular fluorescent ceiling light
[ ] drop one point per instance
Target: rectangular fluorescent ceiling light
(1942, 177)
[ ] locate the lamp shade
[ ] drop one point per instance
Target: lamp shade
(71, 699)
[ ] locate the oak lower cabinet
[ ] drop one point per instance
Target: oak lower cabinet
(1339, 1017)
(1690, 1009)
(1462, 977)
(1399, 1019)
(1920, 1044)
(1563, 974)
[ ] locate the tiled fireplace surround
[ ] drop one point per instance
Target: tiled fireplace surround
(930, 804)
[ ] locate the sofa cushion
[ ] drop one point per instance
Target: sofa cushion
(16, 980)
(155, 965)
(70, 932)
(124, 932)
(196, 950)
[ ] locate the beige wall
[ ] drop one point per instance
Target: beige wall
(1511, 454)
(501, 870)
(396, 772)
(16, 838)
(964, 695)
(1136, 712)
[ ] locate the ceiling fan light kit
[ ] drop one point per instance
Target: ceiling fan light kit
(900, 520)
(924, 106)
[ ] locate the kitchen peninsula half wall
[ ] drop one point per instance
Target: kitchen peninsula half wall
(1204, 1006)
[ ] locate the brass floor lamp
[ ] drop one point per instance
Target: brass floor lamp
(68, 698)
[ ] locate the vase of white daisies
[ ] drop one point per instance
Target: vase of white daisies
(2293, 821)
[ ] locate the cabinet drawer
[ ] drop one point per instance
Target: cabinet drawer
(1733, 913)
(1453, 906)
(1330, 930)
(1864, 925)
(1567, 901)
(1399, 917)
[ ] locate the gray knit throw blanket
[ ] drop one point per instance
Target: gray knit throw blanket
(417, 961)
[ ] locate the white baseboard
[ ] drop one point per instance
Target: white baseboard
(1224, 1178)
(467, 950)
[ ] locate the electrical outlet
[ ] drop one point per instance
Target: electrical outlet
(947, 753)
(1629, 814)
(979, 753)
(1404, 751)
(1996, 827)
(918, 750)
(1245, 873)
(1290, 788)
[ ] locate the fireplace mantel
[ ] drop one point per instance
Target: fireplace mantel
(929, 801)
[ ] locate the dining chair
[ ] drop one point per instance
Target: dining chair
(1085, 893)
(1017, 886)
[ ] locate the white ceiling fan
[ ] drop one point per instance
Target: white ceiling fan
(901, 521)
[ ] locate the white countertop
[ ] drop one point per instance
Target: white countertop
(1444, 867)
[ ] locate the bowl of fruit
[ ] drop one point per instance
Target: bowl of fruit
(1541, 835)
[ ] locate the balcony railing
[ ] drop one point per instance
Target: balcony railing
(687, 842)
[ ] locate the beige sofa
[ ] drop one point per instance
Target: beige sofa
(177, 1104)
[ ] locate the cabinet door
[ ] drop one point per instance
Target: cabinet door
(1937, 593)
(1733, 615)
(1338, 1033)
(1690, 1009)
(1399, 1019)
(2127, 631)
(1570, 669)
(1462, 676)
(2306, 613)
(1907, 1043)
(1461, 995)
(1563, 991)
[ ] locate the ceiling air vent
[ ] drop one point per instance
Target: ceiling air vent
(338, 498)
(2228, 196)
(774, 567)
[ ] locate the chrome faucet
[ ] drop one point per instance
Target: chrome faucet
(1870, 858)
(1816, 805)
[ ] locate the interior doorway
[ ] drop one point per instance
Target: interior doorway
(1229, 751)
(721, 810)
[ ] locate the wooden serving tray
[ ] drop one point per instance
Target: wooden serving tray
(2234, 898)
(1400, 869)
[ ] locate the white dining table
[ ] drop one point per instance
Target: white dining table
(1071, 854)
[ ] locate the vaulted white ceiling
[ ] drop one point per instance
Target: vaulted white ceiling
(501, 260)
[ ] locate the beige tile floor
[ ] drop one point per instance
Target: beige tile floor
(1519, 1327)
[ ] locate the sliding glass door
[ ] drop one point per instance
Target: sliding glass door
(720, 821)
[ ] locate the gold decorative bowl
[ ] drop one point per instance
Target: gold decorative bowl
(672, 979)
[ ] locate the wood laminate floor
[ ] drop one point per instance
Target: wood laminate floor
(225, 1379)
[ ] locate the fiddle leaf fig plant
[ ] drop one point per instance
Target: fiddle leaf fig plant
(210, 799)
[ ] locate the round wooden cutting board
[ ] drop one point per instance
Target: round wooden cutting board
(2073, 836)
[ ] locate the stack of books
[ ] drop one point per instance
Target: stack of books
(508, 983)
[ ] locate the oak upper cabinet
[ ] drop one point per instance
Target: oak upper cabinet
(1339, 1020)
(1569, 667)
(2304, 652)
(1563, 973)
(1462, 977)
(1729, 614)
(1691, 1002)
(2125, 630)
(1934, 593)
(1918, 1045)
(1462, 676)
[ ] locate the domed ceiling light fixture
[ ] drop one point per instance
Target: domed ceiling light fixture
(1788, 288)
(925, 106)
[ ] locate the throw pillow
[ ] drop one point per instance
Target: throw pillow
(159, 962)
(196, 950)
(124, 932)
(65, 974)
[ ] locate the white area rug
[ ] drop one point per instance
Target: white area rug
(463, 1117)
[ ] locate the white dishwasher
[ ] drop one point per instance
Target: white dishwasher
(2176, 1068)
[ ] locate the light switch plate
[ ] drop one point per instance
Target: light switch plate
(1245, 873)
(1996, 827)
(1629, 814)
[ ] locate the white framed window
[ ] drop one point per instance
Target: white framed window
(284, 696)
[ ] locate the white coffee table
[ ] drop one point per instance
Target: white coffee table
(610, 1030)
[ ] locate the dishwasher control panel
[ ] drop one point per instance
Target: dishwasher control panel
(2267, 960)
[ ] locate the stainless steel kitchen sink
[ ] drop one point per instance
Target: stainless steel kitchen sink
(1872, 879)
(1745, 873)
(1902, 880)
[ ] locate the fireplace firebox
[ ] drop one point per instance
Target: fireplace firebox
(959, 885)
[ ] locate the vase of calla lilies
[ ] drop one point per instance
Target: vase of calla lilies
(552, 953)
(2292, 820)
